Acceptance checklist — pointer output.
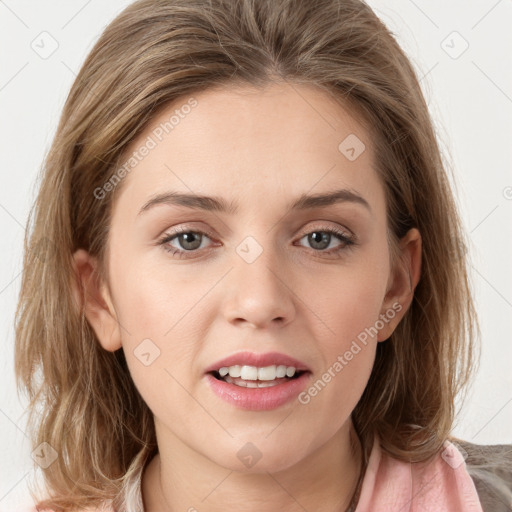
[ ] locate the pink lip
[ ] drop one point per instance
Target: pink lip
(259, 399)
(260, 360)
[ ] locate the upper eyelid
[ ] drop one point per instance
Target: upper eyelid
(191, 229)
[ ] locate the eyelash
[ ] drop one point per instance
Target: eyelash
(349, 241)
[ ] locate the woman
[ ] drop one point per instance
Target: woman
(252, 288)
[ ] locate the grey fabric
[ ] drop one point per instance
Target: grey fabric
(490, 467)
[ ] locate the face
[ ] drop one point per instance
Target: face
(310, 279)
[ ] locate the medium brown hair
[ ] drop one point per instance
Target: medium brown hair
(83, 401)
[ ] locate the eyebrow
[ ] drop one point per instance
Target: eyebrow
(219, 204)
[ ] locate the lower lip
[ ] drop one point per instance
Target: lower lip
(258, 399)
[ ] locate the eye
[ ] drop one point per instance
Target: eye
(186, 239)
(187, 242)
(321, 239)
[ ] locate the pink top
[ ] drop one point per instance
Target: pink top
(442, 485)
(389, 485)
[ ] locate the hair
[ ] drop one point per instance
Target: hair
(83, 401)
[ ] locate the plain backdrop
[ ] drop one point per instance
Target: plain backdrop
(462, 52)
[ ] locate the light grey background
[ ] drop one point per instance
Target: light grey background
(470, 96)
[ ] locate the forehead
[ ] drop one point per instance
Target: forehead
(239, 143)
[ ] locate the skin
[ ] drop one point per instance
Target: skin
(261, 148)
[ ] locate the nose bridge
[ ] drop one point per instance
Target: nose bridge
(259, 293)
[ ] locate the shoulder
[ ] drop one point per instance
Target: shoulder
(490, 467)
(440, 483)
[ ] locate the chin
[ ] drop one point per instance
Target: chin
(265, 456)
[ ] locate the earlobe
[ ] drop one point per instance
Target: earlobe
(92, 295)
(403, 281)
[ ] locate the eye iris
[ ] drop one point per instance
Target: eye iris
(323, 236)
(189, 240)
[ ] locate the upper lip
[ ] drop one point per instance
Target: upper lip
(259, 360)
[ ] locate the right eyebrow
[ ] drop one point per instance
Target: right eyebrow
(193, 201)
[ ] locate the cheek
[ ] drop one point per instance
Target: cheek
(349, 308)
(348, 352)
(159, 330)
(156, 301)
(348, 304)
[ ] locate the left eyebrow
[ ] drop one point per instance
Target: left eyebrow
(320, 200)
(219, 204)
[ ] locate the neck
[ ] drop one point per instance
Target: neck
(180, 479)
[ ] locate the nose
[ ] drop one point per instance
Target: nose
(259, 292)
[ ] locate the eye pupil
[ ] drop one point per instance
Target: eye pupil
(324, 237)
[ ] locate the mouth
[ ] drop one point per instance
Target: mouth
(258, 388)
(258, 381)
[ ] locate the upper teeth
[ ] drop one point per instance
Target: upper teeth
(255, 373)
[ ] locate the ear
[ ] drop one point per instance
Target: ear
(92, 294)
(402, 282)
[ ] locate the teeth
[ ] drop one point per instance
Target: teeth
(250, 383)
(281, 371)
(251, 373)
(267, 373)
(224, 371)
(290, 371)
